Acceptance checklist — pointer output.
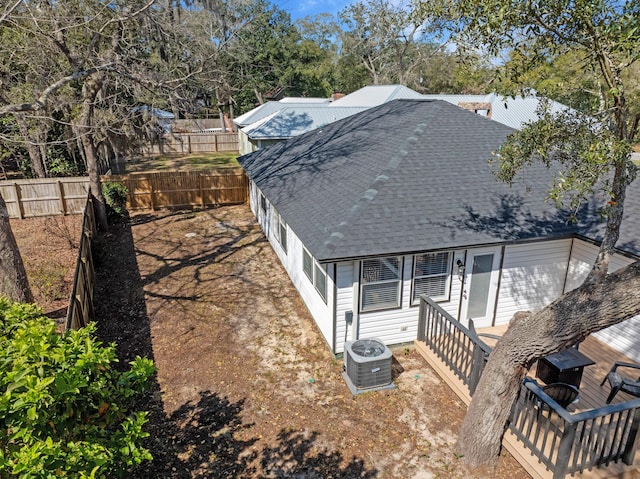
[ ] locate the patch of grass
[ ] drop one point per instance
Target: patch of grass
(196, 161)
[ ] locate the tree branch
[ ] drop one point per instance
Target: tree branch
(42, 101)
(8, 10)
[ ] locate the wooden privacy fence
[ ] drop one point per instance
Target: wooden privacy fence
(45, 197)
(181, 189)
(171, 189)
(192, 142)
(80, 311)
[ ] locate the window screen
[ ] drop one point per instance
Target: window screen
(283, 233)
(431, 276)
(307, 264)
(321, 280)
(380, 284)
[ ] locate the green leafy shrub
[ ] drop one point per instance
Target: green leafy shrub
(64, 410)
(115, 194)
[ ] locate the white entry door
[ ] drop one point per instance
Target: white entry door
(480, 286)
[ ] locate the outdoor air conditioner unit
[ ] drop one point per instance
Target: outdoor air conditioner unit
(367, 363)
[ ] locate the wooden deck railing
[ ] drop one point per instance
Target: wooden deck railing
(564, 442)
(458, 347)
(568, 443)
(80, 311)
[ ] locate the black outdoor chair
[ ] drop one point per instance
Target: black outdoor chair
(493, 337)
(563, 394)
(620, 383)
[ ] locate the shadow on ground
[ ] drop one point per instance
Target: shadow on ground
(207, 437)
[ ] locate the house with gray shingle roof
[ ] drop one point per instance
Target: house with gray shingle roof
(369, 212)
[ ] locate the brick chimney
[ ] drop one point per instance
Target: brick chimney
(476, 106)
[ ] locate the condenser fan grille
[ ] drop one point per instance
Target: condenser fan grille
(368, 348)
(368, 363)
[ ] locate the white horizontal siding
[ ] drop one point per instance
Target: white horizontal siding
(400, 325)
(292, 261)
(623, 337)
(533, 276)
(583, 255)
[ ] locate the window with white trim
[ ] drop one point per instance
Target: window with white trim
(380, 283)
(320, 280)
(307, 264)
(263, 203)
(431, 276)
(280, 228)
(316, 272)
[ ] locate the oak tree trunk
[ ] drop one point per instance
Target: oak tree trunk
(90, 89)
(13, 277)
(567, 321)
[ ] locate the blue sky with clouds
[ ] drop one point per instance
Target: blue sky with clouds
(302, 8)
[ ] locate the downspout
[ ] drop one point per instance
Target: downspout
(566, 272)
(335, 308)
(462, 282)
(355, 326)
(495, 305)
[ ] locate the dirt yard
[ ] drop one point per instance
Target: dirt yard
(49, 249)
(246, 386)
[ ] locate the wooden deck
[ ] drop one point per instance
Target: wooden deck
(591, 396)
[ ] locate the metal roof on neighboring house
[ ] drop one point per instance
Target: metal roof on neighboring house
(374, 95)
(295, 120)
(411, 176)
(271, 107)
(510, 111)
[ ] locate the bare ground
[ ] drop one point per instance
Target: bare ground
(246, 386)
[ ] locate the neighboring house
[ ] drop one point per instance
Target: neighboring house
(280, 120)
(374, 95)
(371, 211)
(163, 117)
(258, 114)
(288, 122)
(510, 111)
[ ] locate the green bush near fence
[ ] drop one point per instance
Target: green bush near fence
(64, 410)
(115, 195)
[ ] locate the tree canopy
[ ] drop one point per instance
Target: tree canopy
(591, 154)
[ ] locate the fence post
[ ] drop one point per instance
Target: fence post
(202, 199)
(152, 194)
(564, 450)
(478, 362)
(16, 188)
(634, 439)
(422, 320)
(63, 203)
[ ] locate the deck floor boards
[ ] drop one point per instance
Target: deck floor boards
(592, 395)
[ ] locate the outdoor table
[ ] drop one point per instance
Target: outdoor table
(565, 366)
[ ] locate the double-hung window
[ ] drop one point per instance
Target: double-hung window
(431, 276)
(280, 228)
(316, 272)
(380, 283)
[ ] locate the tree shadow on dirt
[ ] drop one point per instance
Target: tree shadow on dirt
(205, 438)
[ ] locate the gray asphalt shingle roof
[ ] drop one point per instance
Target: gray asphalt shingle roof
(404, 177)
